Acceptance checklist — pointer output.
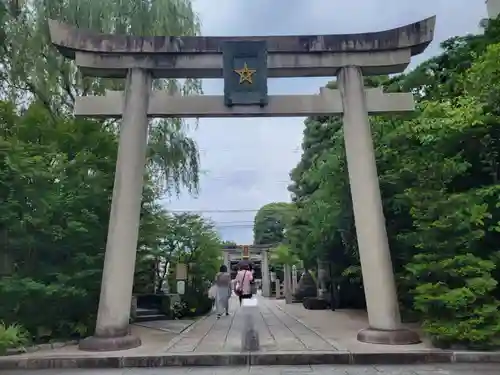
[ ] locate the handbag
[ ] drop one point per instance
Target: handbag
(238, 289)
(212, 292)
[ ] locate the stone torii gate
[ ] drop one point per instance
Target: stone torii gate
(141, 59)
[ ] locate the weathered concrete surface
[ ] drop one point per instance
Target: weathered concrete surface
(341, 326)
(266, 276)
(171, 326)
(162, 104)
(103, 55)
(210, 65)
(443, 369)
(260, 359)
(290, 335)
(249, 334)
(112, 326)
(378, 277)
(278, 331)
(70, 39)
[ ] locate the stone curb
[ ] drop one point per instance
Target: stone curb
(35, 348)
(244, 359)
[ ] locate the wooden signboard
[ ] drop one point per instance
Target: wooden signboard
(180, 271)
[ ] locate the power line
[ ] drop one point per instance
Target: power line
(234, 226)
(225, 211)
(235, 222)
(215, 211)
(258, 180)
(236, 149)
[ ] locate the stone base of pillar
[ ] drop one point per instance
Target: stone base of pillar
(106, 344)
(392, 337)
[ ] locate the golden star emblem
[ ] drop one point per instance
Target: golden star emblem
(245, 74)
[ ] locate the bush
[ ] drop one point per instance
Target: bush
(197, 303)
(454, 296)
(12, 337)
(68, 312)
(313, 303)
(193, 303)
(179, 309)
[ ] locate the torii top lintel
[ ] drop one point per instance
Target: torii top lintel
(102, 55)
(415, 36)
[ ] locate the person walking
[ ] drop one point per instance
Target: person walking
(243, 282)
(222, 291)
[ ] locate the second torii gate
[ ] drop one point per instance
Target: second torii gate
(246, 252)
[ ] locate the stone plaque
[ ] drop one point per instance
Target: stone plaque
(245, 73)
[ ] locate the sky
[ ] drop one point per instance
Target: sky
(246, 162)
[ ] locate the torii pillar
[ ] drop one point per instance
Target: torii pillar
(226, 259)
(376, 266)
(266, 278)
(113, 316)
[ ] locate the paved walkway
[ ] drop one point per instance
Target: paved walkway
(289, 334)
(282, 328)
(464, 369)
(278, 331)
(341, 327)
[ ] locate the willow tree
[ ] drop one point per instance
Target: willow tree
(33, 70)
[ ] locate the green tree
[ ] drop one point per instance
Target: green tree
(35, 70)
(56, 172)
(55, 188)
(200, 247)
(270, 223)
(438, 172)
(183, 238)
(281, 255)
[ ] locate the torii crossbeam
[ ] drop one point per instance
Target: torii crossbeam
(162, 104)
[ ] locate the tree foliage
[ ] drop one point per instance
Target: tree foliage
(270, 223)
(438, 170)
(56, 172)
(34, 70)
(282, 255)
(55, 188)
(183, 238)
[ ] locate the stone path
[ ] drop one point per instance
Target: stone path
(341, 327)
(463, 369)
(278, 331)
(282, 328)
(175, 326)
